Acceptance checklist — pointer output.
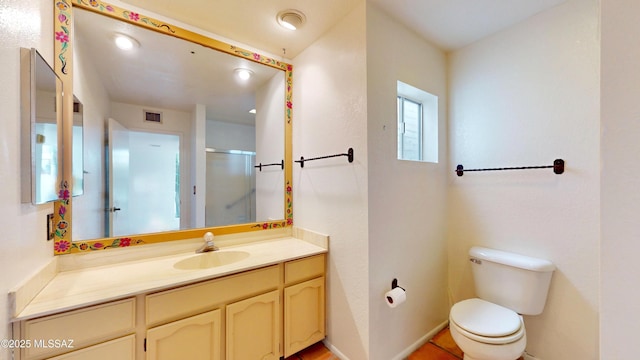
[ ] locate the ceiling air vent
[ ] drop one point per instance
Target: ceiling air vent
(153, 116)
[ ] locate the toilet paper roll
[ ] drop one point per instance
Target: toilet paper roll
(395, 297)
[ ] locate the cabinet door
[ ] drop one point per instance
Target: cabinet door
(121, 349)
(304, 317)
(253, 328)
(193, 338)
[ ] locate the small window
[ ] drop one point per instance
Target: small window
(417, 124)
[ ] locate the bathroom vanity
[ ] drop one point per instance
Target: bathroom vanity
(263, 301)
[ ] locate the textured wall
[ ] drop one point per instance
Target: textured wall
(526, 96)
(620, 314)
(23, 245)
(330, 196)
(407, 199)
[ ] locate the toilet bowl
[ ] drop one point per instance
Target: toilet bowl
(490, 327)
(486, 331)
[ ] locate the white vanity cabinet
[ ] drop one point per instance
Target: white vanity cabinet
(264, 313)
(190, 318)
(96, 332)
(304, 303)
(196, 337)
(253, 328)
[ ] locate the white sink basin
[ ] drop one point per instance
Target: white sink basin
(211, 259)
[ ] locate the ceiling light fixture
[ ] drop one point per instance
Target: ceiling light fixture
(291, 19)
(243, 74)
(125, 42)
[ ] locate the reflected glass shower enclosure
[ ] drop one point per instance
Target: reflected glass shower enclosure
(231, 187)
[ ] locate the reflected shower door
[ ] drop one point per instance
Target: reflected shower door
(231, 189)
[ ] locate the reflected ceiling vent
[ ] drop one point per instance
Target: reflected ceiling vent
(291, 19)
(153, 116)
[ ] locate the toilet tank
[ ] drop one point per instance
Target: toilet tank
(517, 282)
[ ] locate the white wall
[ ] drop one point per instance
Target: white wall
(269, 139)
(230, 136)
(407, 199)
(620, 86)
(330, 196)
(88, 209)
(23, 245)
(527, 96)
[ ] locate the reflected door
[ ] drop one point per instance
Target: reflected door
(154, 182)
(144, 181)
(231, 190)
(118, 178)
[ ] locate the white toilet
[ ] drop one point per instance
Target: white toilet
(508, 285)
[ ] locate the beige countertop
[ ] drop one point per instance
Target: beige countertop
(88, 286)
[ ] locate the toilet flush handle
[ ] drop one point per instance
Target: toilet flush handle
(476, 261)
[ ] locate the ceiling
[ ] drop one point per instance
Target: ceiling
(166, 72)
(453, 24)
(449, 24)
(186, 74)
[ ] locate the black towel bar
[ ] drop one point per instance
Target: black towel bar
(261, 165)
(348, 154)
(558, 168)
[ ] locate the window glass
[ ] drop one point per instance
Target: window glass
(417, 117)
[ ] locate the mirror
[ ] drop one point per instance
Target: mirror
(41, 104)
(78, 149)
(169, 143)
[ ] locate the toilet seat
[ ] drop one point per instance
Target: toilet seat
(486, 322)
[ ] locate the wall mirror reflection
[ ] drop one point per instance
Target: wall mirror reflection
(41, 107)
(78, 149)
(183, 133)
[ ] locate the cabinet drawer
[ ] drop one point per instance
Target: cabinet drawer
(303, 269)
(190, 300)
(121, 349)
(84, 327)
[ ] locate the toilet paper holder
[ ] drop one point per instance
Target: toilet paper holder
(396, 296)
(394, 284)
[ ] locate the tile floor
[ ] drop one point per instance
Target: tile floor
(314, 352)
(441, 347)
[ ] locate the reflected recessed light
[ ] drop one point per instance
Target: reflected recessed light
(291, 19)
(125, 42)
(252, 111)
(243, 74)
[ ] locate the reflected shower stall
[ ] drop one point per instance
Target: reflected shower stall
(231, 187)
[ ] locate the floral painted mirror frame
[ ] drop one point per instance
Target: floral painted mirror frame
(63, 47)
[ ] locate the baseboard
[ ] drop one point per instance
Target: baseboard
(528, 356)
(423, 340)
(405, 353)
(334, 350)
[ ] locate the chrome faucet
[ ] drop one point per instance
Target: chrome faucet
(208, 244)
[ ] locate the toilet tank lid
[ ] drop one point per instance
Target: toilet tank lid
(511, 259)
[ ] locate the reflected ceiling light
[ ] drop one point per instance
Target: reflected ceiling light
(252, 111)
(291, 19)
(125, 42)
(243, 74)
